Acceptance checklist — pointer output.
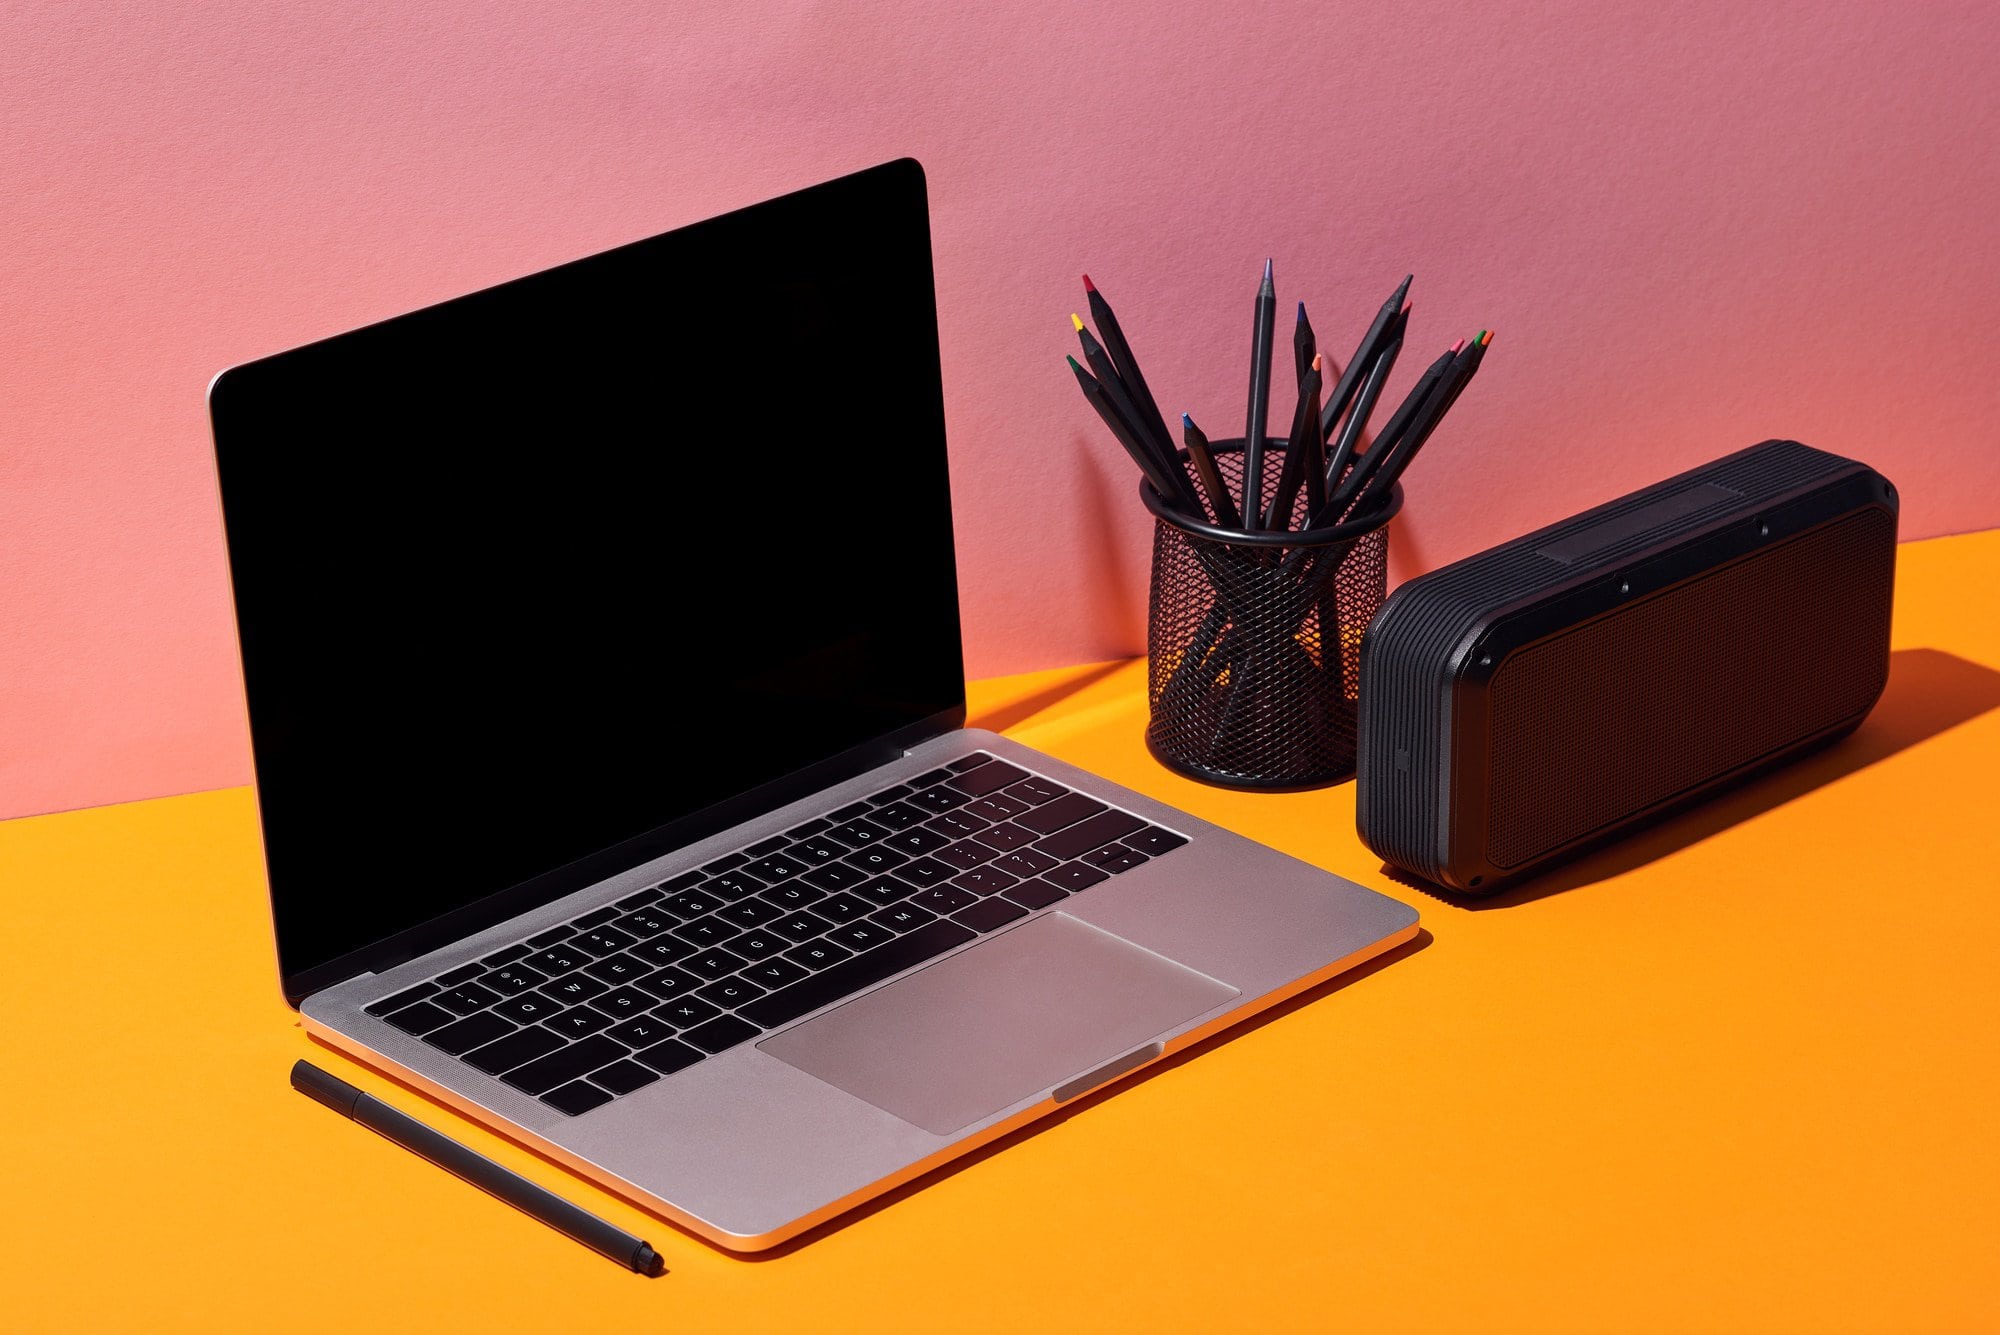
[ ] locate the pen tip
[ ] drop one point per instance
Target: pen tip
(1076, 320)
(1088, 286)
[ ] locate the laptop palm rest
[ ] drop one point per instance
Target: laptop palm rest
(1012, 1018)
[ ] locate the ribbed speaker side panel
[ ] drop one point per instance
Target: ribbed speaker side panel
(1634, 709)
(1406, 662)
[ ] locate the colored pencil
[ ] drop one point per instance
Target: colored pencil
(1364, 357)
(1364, 407)
(1305, 419)
(1113, 335)
(1123, 432)
(1260, 399)
(1162, 451)
(1209, 475)
(1304, 346)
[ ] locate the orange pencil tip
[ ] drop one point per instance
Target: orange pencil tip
(1486, 338)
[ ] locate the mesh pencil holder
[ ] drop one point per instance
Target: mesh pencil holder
(1253, 640)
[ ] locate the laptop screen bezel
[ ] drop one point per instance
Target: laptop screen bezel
(898, 185)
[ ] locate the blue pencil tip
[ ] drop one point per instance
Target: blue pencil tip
(1186, 420)
(1302, 312)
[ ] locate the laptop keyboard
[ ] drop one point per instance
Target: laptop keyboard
(623, 995)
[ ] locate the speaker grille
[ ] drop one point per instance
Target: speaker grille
(1607, 720)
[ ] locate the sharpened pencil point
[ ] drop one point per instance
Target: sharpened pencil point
(1088, 286)
(1316, 360)
(1486, 338)
(1186, 421)
(1267, 270)
(1406, 307)
(1458, 347)
(1076, 320)
(1302, 312)
(1074, 367)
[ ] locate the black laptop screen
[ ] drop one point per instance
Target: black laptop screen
(534, 572)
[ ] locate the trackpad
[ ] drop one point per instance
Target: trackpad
(1013, 1017)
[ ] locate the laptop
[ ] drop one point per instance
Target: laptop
(600, 637)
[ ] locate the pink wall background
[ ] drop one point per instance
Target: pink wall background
(1693, 226)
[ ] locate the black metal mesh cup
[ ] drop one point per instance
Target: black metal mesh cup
(1253, 640)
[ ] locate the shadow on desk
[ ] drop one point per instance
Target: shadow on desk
(1929, 692)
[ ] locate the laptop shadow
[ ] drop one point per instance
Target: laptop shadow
(1002, 717)
(1929, 692)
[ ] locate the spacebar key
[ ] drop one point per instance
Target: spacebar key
(850, 976)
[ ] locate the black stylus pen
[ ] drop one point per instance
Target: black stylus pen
(480, 1171)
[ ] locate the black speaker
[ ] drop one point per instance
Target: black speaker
(1546, 695)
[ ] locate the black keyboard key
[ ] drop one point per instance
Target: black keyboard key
(901, 816)
(1115, 859)
(984, 881)
(513, 980)
(964, 855)
(507, 956)
(776, 973)
(766, 846)
(727, 862)
(668, 1057)
(574, 987)
(996, 806)
(988, 778)
(1088, 834)
(842, 908)
(1074, 876)
(516, 1049)
(856, 833)
(917, 842)
(729, 993)
(465, 998)
(943, 899)
(988, 914)
(557, 959)
(882, 889)
(469, 1033)
(531, 1009)
(808, 829)
(619, 969)
(757, 945)
(775, 868)
(902, 917)
(1035, 790)
(464, 973)
(713, 963)
(642, 1032)
(686, 1012)
(623, 1077)
(850, 976)
(687, 880)
(848, 812)
(860, 936)
(578, 1021)
(549, 938)
(1006, 837)
(834, 876)
(691, 904)
(1024, 862)
(964, 763)
(709, 931)
(576, 1098)
(750, 913)
(638, 901)
(595, 918)
(644, 924)
(818, 954)
(669, 984)
(732, 887)
(876, 859)
(420, 1018)
(624, 1003)
(1065, 810)
(718, 1035)
(407, 997)
(799, 927)
(937, 798)
(925, 872)
(1154, 841)
(793, 895)
(1036, 894)
(958, 824)
(929, 777)
(666, 950)
(817, 851)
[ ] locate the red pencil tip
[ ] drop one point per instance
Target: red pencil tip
(1088, 286)
(1407, 305)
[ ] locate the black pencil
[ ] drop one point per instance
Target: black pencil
(1209, 475)
(1260, 399)
(1364, 405)
(1113, 335)
(1162, 450)
(1364, 357)
(1341, 489)
(1305, 418)
(1122, 432)
(1304, 346)
(1377, 488)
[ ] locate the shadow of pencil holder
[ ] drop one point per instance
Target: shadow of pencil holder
(1253, 640)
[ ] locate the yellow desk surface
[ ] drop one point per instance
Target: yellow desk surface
(1737, 1073)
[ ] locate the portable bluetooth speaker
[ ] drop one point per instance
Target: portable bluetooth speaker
(1549, 694)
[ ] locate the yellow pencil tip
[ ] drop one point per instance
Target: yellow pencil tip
(1076, 320)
